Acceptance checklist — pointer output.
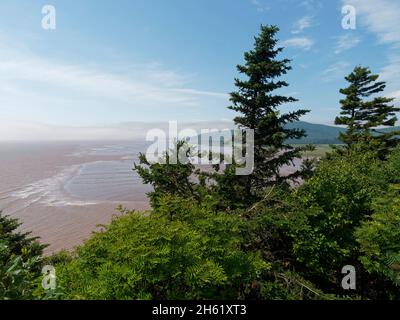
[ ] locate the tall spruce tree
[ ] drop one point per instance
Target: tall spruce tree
(365, 118)
(258, 105)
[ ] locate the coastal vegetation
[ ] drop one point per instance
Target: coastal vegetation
(20, 261)
(261, 236)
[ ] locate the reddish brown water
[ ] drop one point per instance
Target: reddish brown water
(62, 191)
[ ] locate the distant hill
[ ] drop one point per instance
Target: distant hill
(316, 133)
(321, 134)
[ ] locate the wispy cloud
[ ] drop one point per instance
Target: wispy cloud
(303, 43)
(146, 84)
(43, 85)
(390, 73)
(396, 95)
(383, 19)
(336, 71)
(346, 42)
(260, 5)
(302, 24)
(380, 17)
(311, 5)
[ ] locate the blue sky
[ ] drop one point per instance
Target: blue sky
(110, 62)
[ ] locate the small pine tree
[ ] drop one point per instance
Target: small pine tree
(363, 118)
(18, 242)
(172, 177)
(258, 105)
(20, 261)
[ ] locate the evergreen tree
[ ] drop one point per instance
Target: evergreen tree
(172, 177)
(363, 118)
(258, 105)
(20, 261)
(18, 242)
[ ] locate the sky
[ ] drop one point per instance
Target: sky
(117, 62)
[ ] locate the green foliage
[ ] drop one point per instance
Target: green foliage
(393, 166)
(334, 202)
(196, 255)
(20, 261)
(172, 177)
(167, 176)
(379, 237)
(258, 107)
(312, 229)
(216, 189)
(363, 118)
(284, 284)
(18, 242)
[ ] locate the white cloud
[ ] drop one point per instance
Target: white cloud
(346, 42)
(259, 5)
(311, 5)
(300, 43)
(143, 86)
(390, 73)
(302, 24)
(33, 88)
(396, 95)
(75, 100)
(380, 17)
(336, 71)
(383, 19)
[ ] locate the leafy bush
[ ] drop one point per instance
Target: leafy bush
(142, 256)
(334, 202)
(312, 229)
(379, 238)
(393, 166)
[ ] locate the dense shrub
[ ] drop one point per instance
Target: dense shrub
(153, 256)
(313, 229)
(379, 239)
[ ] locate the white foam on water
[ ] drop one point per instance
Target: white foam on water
(119, 149)
(88, 183)
(50, 191)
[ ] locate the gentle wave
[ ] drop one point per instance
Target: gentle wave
(50, 191)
